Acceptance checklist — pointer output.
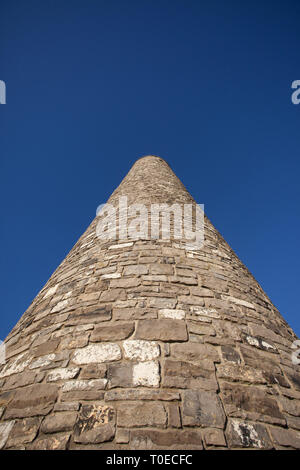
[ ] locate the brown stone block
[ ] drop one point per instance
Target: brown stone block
(155, 439)
(285, 437)
(34, 400)
(46, 348)
(57, 442)
(202, 408)
(237, 398)
(214, 437)
(82, 395)
(93, 371)
(240, 373)
(194, 352)
(112, 295)
(230, 354)
(112, 332)
(134, 313)
(59, 422)
(138, 414)
(174, 419)
(162, 329)
(24, 431)
(246, 434)
(95, 424)
(120, 375)
(128, 394)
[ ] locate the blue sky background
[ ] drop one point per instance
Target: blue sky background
(93, 85)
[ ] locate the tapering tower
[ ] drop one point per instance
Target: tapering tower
(145, 343)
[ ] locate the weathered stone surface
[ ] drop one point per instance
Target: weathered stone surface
(146, 374)
(201, 329)
(285, 437)
(73, 406)
(134, 313)
(95, 424)
(59, 422)
(34, 400)
(230, 354)
(19, 380)
(74, 385)
(179, 374)
(82, 395)
(194, 352)
(127, 394)
(135, 269)
(174, 313)
(112, 332)
(141, 350)
(120, 375)
(237, 398)
(141, 414)
(24, 431)
(65, 373)
(179, 439)
(162, 302)
(163, 329)
(158, 336)
(239, 373)
(46, 348)
(122, 436)
(112, 295)
(97, 353)
(93, 371)
(16, 366)
(214, 437)
(201, 408)
(57, 442)
(5, 429)
(245, 434)
(174, 419)
(161, 269)
(125, 283)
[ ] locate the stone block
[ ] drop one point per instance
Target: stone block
(112, 332)
(214, 437)
(163, 329)
(245, 434)
(56, 442)
(5, 429)
(146, 374)
(202, 408)
(95, 424)
(138, 414)
(142, 439)
(194, 352)
(95, 353)
(34, 400)
(59, 422)
(141, 350)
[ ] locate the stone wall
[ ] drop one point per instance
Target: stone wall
(145, 345)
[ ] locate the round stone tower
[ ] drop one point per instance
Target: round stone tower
(149, 344)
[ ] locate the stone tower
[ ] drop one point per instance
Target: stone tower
(145, 344)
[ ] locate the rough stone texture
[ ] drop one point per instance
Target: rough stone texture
(141, 350)
(95, 424)
(142, 414)
(162, 330)
(146, 344)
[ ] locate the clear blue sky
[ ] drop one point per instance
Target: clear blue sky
(93, 85)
